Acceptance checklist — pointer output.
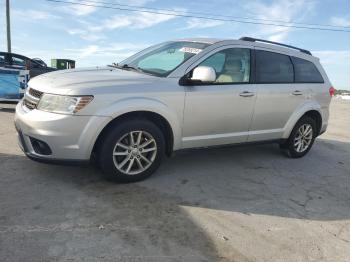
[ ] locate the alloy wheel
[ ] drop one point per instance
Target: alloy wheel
(134, 152)
(303, 138)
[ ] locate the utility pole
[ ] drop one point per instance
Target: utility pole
(8, 26)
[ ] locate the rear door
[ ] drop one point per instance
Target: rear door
(277, 95)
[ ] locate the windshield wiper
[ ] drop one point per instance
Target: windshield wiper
(125, 66)
(115, 65)
(128, 67)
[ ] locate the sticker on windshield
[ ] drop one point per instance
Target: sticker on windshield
(190, 50)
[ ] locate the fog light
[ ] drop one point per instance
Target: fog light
(40, 147)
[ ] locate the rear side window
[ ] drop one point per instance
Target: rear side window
(18, 61)
(306, 71)
(273, 68)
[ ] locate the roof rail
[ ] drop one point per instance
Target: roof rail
(251, 39)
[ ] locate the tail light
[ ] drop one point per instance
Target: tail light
(332, 91)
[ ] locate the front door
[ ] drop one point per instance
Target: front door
(221, 112)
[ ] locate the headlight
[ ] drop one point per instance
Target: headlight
(63, 104)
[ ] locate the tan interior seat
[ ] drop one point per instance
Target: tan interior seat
(232, 71)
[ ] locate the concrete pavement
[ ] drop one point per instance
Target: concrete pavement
(246, 203)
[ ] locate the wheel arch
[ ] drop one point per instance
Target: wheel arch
(310, 110)
(152, 116)
(314, 114)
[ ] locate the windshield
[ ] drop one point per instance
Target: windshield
(162, 59)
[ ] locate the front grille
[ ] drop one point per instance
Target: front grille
(29, 104)
(35, 93)
(32, 98)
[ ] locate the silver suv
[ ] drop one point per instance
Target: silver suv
(176, 95)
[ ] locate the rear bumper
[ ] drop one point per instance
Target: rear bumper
(70, 138)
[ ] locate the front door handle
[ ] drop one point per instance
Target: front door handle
(297, 93)
(246, 94)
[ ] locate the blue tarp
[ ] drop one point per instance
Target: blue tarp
(12, 83)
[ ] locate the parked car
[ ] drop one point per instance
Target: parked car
(176, 95)
(15, 70)
(14, 61)
(39, 61)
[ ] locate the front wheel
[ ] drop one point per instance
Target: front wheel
(131, 151)
(301, 138)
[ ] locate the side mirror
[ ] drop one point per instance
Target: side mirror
(204, 74)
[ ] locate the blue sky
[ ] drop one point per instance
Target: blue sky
(96, 36)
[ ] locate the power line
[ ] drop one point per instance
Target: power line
(213, 15)
(292, 25)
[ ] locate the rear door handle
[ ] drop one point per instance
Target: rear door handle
(246, 94)
(297, 93)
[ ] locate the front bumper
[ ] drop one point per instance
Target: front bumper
(70, 137)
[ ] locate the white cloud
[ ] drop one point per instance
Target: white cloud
(137, 20)
(76, 31)
(32, 15)
(196, 23)
(90, 55)
(279, 36)
(84, 9)
(88, 51)
(85, 35)
(93, 32)
(279, 10)
(79, 9)
(336, 64)
(90, 29)
(334, 57)
(139, 2)
(120, 50)
(340, 21)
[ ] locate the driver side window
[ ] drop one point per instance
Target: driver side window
(231, 65)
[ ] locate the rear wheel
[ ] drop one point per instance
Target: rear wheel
(301, 138)
(131, 151)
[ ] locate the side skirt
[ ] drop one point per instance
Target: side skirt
(264, 142)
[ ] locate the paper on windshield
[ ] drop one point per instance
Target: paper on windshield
(190, 50)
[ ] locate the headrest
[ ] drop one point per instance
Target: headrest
(233, 64)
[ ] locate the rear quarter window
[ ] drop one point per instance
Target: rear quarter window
(306, 71)
(273, 68)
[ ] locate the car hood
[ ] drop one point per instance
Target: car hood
(78, 81)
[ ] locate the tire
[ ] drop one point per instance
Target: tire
(124, 151)
(295, 149)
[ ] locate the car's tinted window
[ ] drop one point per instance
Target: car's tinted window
(2, 59)
(273, 68)
(231, 65)
(18, 61)
(306, 71)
